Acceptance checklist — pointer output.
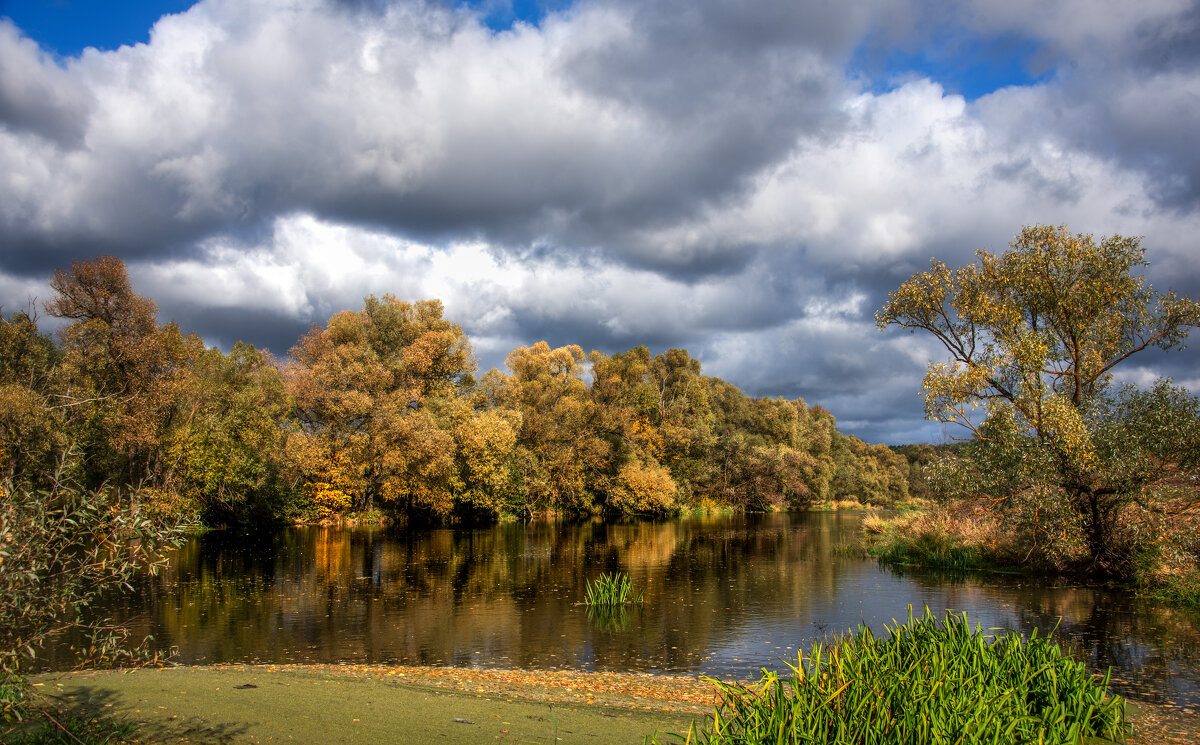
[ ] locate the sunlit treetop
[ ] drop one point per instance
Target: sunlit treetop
(1040, 327)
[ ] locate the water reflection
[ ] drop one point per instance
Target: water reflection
(725, 596)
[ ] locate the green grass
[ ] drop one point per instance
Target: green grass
(1181, 589)
(929, 681)
(928, 552)
(612, 590)
(259, 704)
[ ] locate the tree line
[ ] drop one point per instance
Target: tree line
(381, 409)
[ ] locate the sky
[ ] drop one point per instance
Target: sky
(744, 179)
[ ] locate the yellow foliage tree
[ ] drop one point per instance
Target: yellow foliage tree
(1033, 337)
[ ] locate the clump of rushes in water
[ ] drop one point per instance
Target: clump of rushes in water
(610, 590)
(929, 681)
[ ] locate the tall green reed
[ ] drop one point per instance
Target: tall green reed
(612, 589)
(930, 681)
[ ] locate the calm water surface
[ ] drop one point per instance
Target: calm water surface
(725, 596)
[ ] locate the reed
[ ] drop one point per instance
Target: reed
(929, 681)
(609, 618)
(612, 590)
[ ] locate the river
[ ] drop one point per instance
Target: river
(724, 596)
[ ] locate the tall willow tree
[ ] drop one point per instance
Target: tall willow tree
(1033, 337)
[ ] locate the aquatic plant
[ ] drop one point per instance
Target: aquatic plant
(610, 590)
(928, 681)
(609, 618)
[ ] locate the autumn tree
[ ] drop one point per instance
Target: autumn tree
(370, 390)
(871, 474)
(768, 453)
(485, 483)
(683, 417)
(1033, 337)
(123, 372)
(560, 453)
(629, 407)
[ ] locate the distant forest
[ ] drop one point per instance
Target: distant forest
(382, 410)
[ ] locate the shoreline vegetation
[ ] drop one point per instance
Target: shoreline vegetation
(963, 537)
(383, 519)
(371, 702)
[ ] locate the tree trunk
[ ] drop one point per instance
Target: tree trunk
(1100, 535)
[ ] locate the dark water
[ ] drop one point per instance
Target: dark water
(725, 596)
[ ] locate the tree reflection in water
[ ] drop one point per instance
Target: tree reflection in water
(724, 596)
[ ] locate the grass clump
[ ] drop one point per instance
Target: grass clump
(612, 590)
(928, 681)
(937, 541)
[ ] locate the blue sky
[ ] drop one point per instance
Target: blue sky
(68, 26)
(971, 65)
(747, 180)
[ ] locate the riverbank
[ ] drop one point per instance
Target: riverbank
(963, 537)
(382, 704)
(405, 704)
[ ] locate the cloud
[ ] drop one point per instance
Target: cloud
(723, 177)
(36, 96)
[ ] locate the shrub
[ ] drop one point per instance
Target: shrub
(61, 547)
(929, 681)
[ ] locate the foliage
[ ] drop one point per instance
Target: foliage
(367, 389)
(227, 450)
(60, 548)
(1033, 337)
(31, 424)
(380, 410)
(643, 488)
(561, 455)
(612, 590)
(922, 460)
(123, 372)
(930, 680)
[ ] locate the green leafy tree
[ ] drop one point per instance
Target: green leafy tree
(226, 452)
(32, 423)
(1033, 337)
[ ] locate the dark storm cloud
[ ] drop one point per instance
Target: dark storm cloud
(223, 327)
